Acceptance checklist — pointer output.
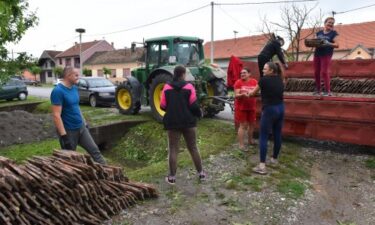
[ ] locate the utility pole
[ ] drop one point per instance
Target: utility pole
(212, 31)
(80, 31)
(235, 34)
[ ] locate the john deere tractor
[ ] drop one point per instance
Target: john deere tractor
(162, 55)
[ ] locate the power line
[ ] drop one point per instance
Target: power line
(234, 19)
(149, 24)
(261, 3)
(350, 10)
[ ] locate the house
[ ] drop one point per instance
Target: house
(70, 57)
(246, 48)
(120, 62)
(356, 41)
(47, 62)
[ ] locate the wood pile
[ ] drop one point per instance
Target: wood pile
(338, 85)
(67, 188)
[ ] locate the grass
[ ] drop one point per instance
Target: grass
(147, 144)
(30, 99)
(370, 163)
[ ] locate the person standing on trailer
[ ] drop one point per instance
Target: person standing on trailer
(273, 47)
(323, 56)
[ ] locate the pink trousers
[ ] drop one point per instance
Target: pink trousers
(321, 65)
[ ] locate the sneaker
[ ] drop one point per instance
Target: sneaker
(327, 94)
(274, 161)
(316, 93)
(259, 170)
(202, 176)
(170, 180)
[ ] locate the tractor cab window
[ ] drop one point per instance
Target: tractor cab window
(187, 53)
(158, 53)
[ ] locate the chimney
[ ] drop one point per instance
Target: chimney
(113, 45)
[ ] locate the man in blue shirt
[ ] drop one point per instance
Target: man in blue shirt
(68, 118)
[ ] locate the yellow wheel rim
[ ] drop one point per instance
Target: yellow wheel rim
(157, 97)
(210, 90)
(124, 99)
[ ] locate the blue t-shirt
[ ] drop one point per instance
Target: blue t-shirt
(325, 50)
(68, 98)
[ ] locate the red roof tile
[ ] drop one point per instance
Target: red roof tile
(350, 35)
(249, 46)
(74, 50)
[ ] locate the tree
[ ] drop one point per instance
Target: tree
(15, 20)
(35, 70)
(87, 72)
(106, 72)
(293, 19)
(58, 71)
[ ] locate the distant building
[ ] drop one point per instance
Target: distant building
(120, 62)
(246, 48)
(356, 41)
(70, 57)
(47, 62)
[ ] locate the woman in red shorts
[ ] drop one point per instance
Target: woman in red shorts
(245, 107)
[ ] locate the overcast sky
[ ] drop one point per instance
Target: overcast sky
(58, 20)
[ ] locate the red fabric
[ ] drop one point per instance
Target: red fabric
(234, 68)
(246, 116)
(245, 103)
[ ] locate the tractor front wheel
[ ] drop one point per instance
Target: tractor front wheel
(155, 92)
(125, 100)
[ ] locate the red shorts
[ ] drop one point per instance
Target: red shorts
(242, 116)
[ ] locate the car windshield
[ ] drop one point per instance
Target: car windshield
(100, 83)
(187, 53)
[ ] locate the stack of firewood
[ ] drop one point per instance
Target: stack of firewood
(338, 85)
(66, 188)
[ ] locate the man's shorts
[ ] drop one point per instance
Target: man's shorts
(243, 116)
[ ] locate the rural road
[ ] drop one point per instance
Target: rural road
(44, 92)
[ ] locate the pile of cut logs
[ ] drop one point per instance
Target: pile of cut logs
(338, 85)
(66, 188)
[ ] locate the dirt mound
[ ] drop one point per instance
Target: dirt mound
(18, 127)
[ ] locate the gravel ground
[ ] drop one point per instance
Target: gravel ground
(341, 188)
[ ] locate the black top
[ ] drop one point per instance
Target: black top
(325, 50)
(272, 48)
(178, 112)
(272, 89)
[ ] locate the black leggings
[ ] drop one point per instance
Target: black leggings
(190, 137)
(262, 60)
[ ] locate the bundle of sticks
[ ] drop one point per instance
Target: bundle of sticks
(63, 189)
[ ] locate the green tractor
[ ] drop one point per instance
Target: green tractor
(162, 55)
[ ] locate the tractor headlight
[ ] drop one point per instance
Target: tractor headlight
(104, 94)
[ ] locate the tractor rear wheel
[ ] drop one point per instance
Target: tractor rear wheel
(126, 102)
(156, 88)
(216, 87)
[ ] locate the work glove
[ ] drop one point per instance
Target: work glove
(66, 142)
(326, 43)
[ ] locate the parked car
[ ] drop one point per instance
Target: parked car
(96, 91)
(57, 81)
(27, 81)
(13, 88)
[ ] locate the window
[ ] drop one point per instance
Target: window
(113, 73)
(126, 72)
(153, 56)
(49, 73)
(60, 61)
(68, 62)
(76, 63)
(187, 53)
(100, 73)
